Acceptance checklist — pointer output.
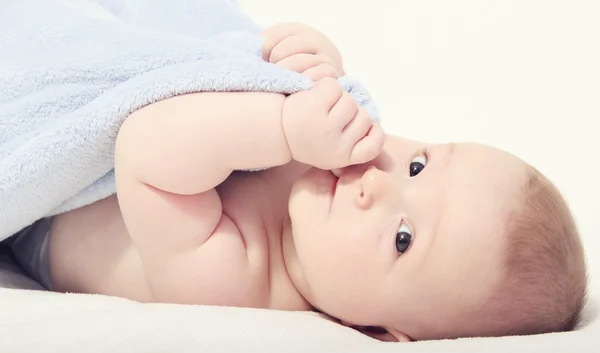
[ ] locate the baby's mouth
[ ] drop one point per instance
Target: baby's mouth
(336, 172)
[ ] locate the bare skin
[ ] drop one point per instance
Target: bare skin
(180, 213)
(93, 252)
(185, 228)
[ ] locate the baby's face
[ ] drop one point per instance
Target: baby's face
(408, 241)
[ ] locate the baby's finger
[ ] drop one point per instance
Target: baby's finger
(302, 62)
(321, 71)
(275, 34)
(328, 92)
(369, 147)
(357, 128)
(344, 111)
(290, 46)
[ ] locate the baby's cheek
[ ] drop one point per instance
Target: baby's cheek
(343, 277)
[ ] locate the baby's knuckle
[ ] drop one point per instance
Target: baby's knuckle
(365, 118)
(328, 83)
(324, 59)
(331, 87)
(286, 47)
(330, 70)
(350, 103)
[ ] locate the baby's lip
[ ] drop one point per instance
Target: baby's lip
(337, 172)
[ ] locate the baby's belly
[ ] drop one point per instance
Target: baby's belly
(91, 252)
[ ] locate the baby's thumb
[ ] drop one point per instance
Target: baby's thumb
(369, 147)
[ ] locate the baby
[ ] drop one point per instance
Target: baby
(399, 239)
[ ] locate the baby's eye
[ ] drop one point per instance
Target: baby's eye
(403, 238)
(417, 165)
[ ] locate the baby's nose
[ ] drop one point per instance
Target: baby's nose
(374, 184)
(373, 176)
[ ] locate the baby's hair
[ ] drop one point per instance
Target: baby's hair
(545, 278)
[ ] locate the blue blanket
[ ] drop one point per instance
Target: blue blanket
(72, 70)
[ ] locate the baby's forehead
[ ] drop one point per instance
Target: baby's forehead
(482, 189)
(489, 170)
(483, 185)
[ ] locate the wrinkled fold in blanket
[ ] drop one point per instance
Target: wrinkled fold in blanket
(71, 71)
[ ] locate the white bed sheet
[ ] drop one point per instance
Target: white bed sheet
(519, 74)
(33, 320)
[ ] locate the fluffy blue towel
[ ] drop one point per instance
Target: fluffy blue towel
(72, 70)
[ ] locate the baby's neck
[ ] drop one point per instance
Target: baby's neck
(287, 176)
(270, 191)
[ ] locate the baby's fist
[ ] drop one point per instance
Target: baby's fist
(302, 49)
(327, 129)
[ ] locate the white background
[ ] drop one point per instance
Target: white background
(522, 75)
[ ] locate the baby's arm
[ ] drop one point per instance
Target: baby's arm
(169, 157)
(190, 143)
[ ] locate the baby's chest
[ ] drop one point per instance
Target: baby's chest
(232, 267)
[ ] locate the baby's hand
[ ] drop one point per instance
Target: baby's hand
(302, 49)
(327, 129)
